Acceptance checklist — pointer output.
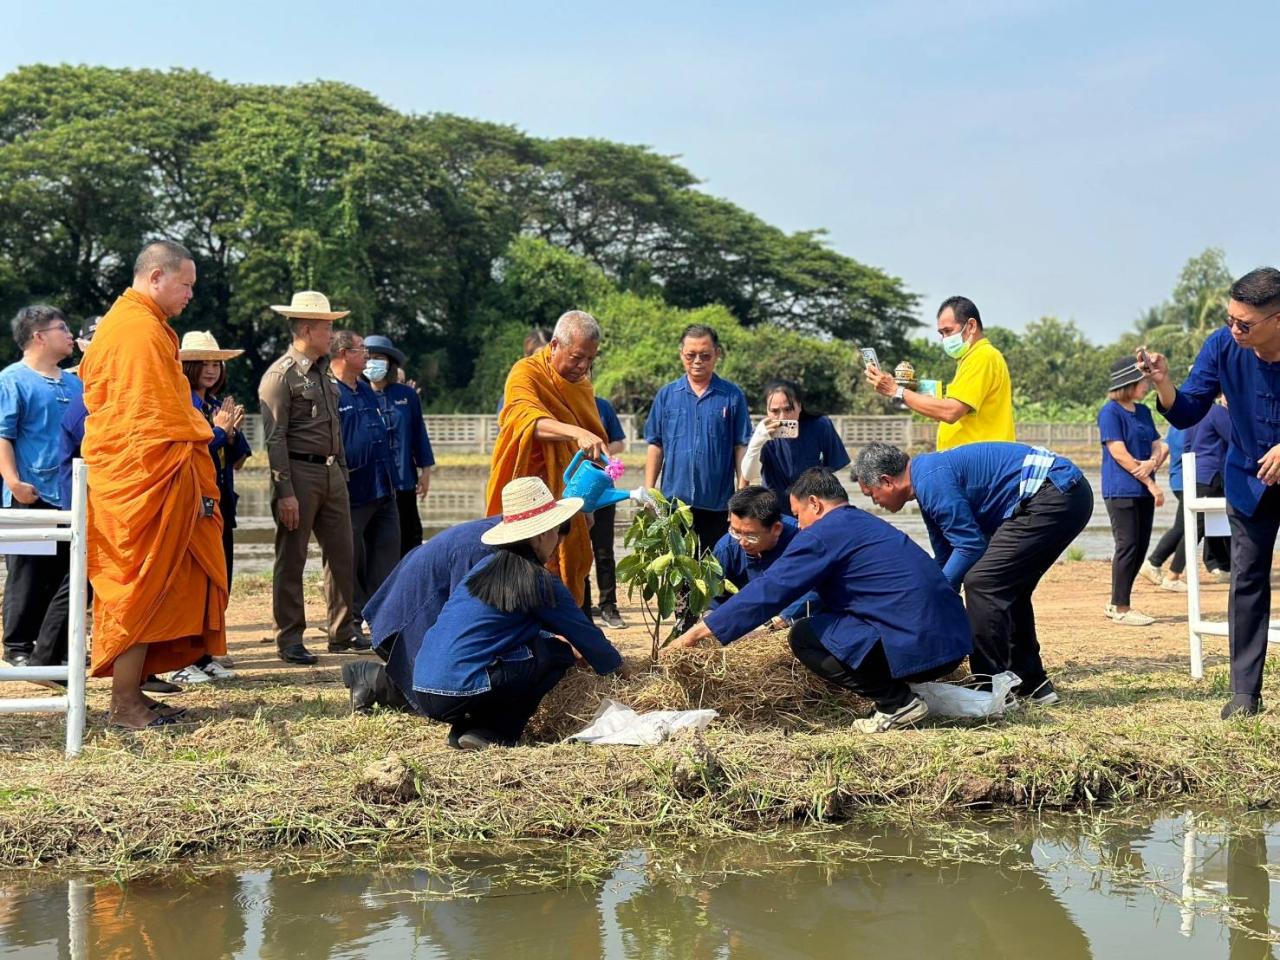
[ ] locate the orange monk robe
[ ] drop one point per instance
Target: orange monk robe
(534, 392)
(156, 565)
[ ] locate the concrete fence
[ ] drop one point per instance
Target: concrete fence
(476, 433)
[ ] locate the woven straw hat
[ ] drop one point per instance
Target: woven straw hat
(528, 509)
(200, 345)
(310, 305)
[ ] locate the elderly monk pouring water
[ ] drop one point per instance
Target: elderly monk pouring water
(548, 414)
(155, 534)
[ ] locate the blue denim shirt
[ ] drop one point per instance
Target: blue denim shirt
(31, 410)
(783, 459)
(410, 444)
(367, 443)
(469, 635)
(966, 492)
(877, 586)
(1252, 389)
(1137, 431)
(740, 568)
(226, 453)
(1212, 437)
(698, 435)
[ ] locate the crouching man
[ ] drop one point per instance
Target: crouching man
(999, 515)
(890, 618)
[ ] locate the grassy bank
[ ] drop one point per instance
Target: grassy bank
(275, 765)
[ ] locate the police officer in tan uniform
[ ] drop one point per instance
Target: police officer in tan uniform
(308, 479)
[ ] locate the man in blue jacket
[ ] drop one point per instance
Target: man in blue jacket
(1242, 362)
(998, 515)
(758, 535)
(890, 617)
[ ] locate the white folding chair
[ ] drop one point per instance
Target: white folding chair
(1214, 510)
(27, 527)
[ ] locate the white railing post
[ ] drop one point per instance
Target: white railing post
(1189, 544)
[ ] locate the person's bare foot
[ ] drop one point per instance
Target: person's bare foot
(132, 716)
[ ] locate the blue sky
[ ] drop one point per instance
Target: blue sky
(1040, 157)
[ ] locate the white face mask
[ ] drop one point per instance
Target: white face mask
(375, 370)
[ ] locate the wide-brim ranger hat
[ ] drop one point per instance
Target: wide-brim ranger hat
(377, 343)
(310, 305)
(1124, 372)
(528, 509)
(201, 345)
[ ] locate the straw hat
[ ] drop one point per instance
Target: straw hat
(200, 345)
(528, 509)
(310, 305)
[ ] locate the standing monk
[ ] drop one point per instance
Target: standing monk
(549, 414)
(155, 533)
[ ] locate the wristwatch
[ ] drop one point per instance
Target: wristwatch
(897, 394)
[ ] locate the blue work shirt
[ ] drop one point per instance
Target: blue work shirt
(966, 492)
(1252, 389)
(877, 586)
(740, 568)
(1213, 436)
(613, 431)
(783, 459)
(409, 601)
(410, 444)
(469, 635)
(70, 436)
(1176, 439)
(226, 453)
(31, 410)
(366, 441)
(1137, 431)
(698, 436)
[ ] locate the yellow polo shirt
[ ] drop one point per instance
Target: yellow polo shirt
(982, 383)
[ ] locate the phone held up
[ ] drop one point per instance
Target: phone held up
(788, 429)
(1144, 360)
(869, 357)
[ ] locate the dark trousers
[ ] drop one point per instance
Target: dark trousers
(998, 588)
(1131, 527)
(516, 687)
(1253, 540)
(37, 598)
(872, 678)
(1217, 550)
(1170, 545)
(228, 552)
(602, 532)
(375, 541)
(708, 526)
(410, 522)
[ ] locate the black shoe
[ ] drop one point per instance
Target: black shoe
(480, 740)
(360, 678)
(16, 660)
(297, 653)
(610, 617)
(154, 684)
(355, 644)
(1242, 705)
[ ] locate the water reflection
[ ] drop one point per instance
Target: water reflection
(1069, 888)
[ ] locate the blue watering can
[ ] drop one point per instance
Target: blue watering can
(586, 479)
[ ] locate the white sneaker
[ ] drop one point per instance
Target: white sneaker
(879, 722)
(1132, 618)
(1150, 574)
(1173, 586)
(1222, 576)
(216, 671)
(189, 674)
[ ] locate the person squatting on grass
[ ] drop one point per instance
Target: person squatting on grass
(1242, 362)
(998, 515)
(495, 650)
(890, 616)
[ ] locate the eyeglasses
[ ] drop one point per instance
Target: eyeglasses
(698, 357)
(54, 326)
(1246, 327)
(746, 539)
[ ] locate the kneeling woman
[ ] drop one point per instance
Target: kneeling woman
(495, 650)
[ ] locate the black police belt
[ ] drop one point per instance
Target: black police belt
(314, 458)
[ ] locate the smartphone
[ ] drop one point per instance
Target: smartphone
(788, 429)
(1144, 360)
(869, 357)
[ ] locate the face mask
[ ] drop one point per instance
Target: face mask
(376, 370)
(954, 345)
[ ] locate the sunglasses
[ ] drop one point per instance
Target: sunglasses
(1246, 327)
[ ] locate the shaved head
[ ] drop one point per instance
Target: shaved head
(165, 255)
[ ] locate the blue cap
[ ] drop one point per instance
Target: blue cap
(377, 343)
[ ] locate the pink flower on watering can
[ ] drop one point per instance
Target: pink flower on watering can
(615, 469)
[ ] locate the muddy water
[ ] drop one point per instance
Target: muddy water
(458, 495)
(1170, 887)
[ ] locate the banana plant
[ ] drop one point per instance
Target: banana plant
(665, 565)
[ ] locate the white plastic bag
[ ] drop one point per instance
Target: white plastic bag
(616, 723)
(953, 700)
